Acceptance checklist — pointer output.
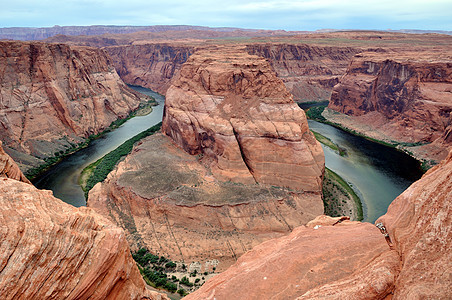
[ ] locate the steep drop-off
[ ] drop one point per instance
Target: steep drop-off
(239, 165)
(168, 202)
(308, 72)
(52, 250)
(230, 107)
(399, 98)
(52, 96)
(329, 259)
(149, 65)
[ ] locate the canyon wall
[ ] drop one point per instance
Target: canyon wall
(50, 249)
(149, 65)
(169, 202)
(332, 258)
(308, 72)
(401, 98)
(230, 107)
(238, 165)
(52, 96)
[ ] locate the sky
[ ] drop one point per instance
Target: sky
(266, 14)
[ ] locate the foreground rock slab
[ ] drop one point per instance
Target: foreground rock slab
(330, 259)
(52, 250)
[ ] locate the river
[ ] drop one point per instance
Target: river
(62, 178)
(376, 172)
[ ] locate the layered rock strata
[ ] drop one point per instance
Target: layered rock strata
(9, 168)
(168, 202)
(403, 99)
(149, 65)
(308, 72)
(52, 96)
(50, 249)
(338, 259)
(229, 107)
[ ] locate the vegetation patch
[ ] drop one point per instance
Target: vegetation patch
(329, 143)
(98, 171)
(160, 272)
(315, 113)
(143, 109)
(339, 198)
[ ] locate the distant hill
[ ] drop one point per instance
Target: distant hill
(30, 33)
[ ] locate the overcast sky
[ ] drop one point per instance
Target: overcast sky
(266, 14)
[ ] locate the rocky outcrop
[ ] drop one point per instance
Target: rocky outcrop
(309, 72)
(9, 168)
(332, 258)
(50, 249)
(168, 202)
(52, 96)
(149, 65)
(229, 107)
(402, 99)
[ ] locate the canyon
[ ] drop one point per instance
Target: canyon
(51, 249)
(53, 96)
(399, 98)
(234, 180)
(355, 261)
(212, 187)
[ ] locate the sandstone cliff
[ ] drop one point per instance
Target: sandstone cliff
(239, 167)
(9, 168)
(230, 107)
(329, 259)
(52, 250)
(53, 96)
(149, 65)
(402, 99)
(308, 72)
(167, 201)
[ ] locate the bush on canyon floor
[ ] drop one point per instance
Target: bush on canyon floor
(153, 268)
(315, 113)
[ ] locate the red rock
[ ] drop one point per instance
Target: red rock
(420, 226)
(352, 260)
(149, 65)
(231, 108)
(308, 72)
(9, 168)
(171, 204)
(50, 249)
(399, 98)
(52, 95)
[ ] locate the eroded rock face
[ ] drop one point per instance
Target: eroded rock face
(309, 257)
(419, 223)
(399, 98)
(50, 249)
(9, 168)
(308, 72)
(169, 202)
(149, 65)
(52, 95)
(230, 107)
(328, 259)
